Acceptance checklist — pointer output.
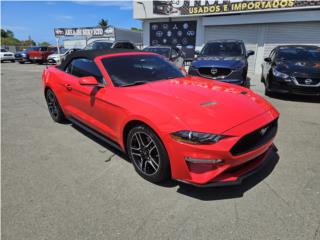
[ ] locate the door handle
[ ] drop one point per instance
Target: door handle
(68, 87)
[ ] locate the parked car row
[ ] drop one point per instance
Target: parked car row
(36, 54)
(53, 55)
(288, 69)
(291, 69)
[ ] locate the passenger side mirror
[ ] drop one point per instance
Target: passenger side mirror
(88, 81)
(268, 60)
(250, 53)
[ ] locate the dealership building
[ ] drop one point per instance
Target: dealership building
(262, 25)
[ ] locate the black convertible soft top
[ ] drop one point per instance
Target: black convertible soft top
(91, 54)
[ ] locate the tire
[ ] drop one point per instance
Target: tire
(268, 92)
(246, 83)
(148, 154)
(21, 62)
(13, 61)
(54, 107)
(262, 79)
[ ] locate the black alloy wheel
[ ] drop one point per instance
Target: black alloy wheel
(54, 107)
(148, 154)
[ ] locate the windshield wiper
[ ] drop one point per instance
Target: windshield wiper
(134, 83)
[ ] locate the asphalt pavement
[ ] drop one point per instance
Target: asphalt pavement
(60, 183)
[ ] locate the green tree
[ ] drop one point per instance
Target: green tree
(10, 34)
(9, 41)
(7, 38)
(4, 33)
(28, 42)
(44, 44)
(104, 24)
(136, 29)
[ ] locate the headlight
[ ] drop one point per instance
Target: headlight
(279, 74)
(195, 137)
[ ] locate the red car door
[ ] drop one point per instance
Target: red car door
(87, 103)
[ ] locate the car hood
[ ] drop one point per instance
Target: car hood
(226, 62)
(300, 68)
(200, 104)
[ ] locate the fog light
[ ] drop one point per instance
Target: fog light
(199, 160)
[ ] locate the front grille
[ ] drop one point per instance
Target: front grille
(302, 81)
(8, 55)
(220, 72)
(255, 139)
(306, 90)
(244, 165)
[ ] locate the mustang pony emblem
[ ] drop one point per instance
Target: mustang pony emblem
(213, 71)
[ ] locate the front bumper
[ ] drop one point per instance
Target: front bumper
(220, 173)
(278, 85)
(237, 175)
(8, 58)
(52, 61)
(21, 58)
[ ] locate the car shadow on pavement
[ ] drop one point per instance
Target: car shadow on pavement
(102, 143)
(229, 192)
(296, 98)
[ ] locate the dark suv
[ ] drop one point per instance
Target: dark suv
(171, 53)
(223, 60)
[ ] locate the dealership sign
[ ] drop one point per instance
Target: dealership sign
(181, 34)
(176, 8)
(70, 32)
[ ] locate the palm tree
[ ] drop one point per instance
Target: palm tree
(103, 24)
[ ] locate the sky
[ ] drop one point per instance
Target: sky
(38, 18)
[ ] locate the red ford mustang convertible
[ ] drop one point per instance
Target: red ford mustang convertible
(188, 128)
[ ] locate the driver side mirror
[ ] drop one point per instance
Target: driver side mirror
(268, 60)
(88, 81)
(250, 53)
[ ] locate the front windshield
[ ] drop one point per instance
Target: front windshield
(229, 49)
(3, 50)
(299, 54)
(162, 51)
(128, 70)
